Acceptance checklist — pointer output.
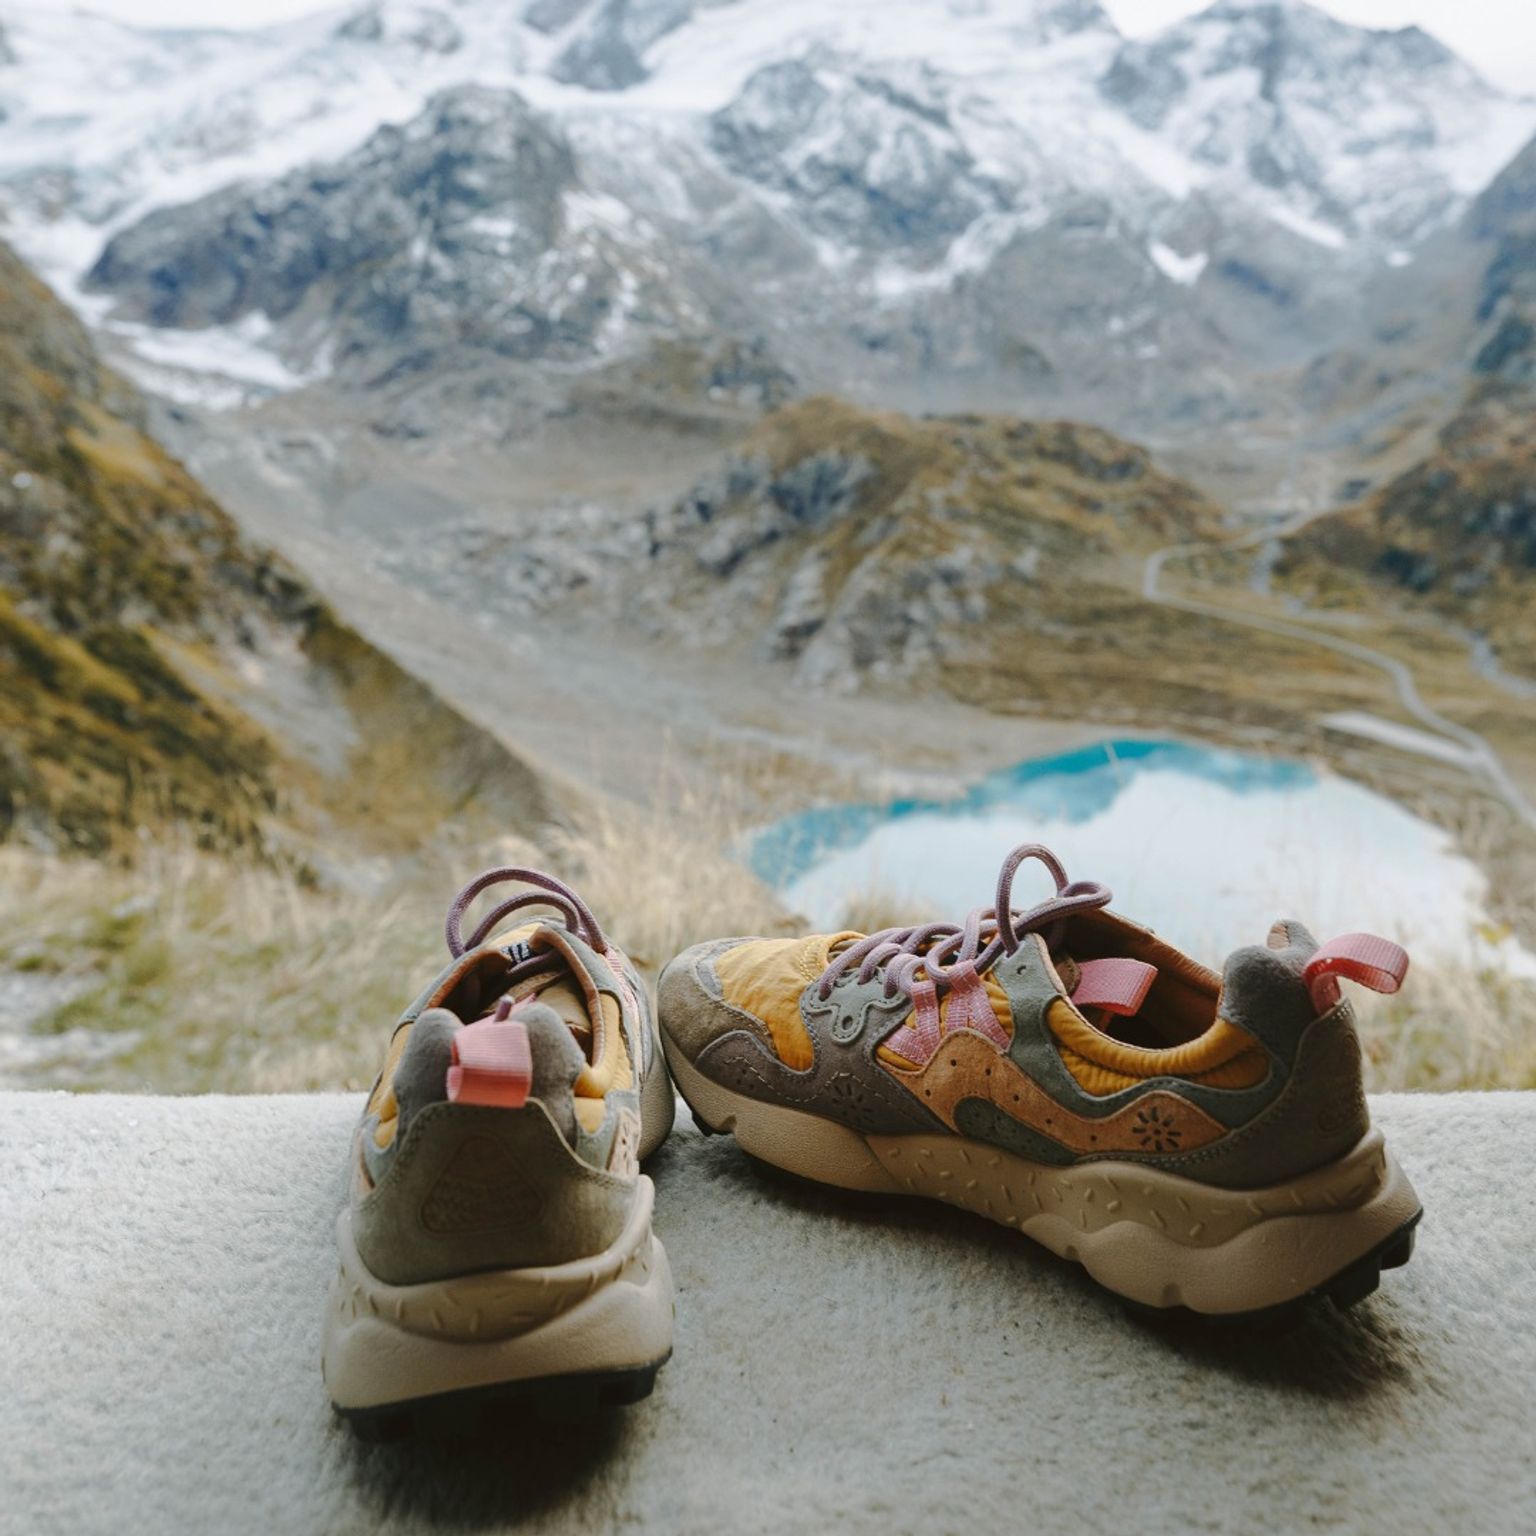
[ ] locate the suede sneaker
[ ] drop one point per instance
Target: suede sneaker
(1198, 1142)
(497, 1242)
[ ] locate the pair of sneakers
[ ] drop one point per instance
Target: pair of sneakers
(1198, 1142)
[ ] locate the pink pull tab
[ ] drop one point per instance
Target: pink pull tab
(1116, 986)
(492, 1063)
(1376, 963)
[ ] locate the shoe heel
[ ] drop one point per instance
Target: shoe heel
(594, 1331)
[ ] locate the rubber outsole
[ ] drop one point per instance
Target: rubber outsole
(1351, 1284)
(1167, 1247)
(473, 1410)
(514, 1332)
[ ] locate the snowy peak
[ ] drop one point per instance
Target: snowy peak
(870, 159)
(422, 28)
(1370, 133)
(877, 190)
(1288, 48)
(608, 50)
(467, 229)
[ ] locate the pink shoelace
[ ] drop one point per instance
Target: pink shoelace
(547, 892)
(948, 953)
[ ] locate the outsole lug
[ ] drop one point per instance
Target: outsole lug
(477, 1408)
(1401, 1250)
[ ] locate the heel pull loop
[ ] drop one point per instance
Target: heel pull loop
(1373, 962)
(492, 1062)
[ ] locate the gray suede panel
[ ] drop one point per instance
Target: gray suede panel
(475, 1188)
(692, 1008)
(842, 1085)
(658, 1104)
(421, 1078)
(596, 1147)
(732, 1047)
(986, 1122)
(1262, 992)
(1318, 1116)
(557, 1063)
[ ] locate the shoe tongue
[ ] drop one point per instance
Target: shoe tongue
(570, 991)
(560, 994)
(1115, 986)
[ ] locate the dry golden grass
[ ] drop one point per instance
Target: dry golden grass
(193, 974)
(210, 976)
(873, 908)
(1451, 1027)
(665, 876)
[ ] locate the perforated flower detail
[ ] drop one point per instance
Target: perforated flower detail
(843, 1091)
(846, 1097)
(1154, 1129)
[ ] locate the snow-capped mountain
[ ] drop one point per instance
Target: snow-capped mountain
(1502, 223)
(1380, 134)
(928, 200)
(468, 224)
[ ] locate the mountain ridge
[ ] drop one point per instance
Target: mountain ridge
(868, 192)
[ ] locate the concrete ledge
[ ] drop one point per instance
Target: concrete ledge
(840, 1365)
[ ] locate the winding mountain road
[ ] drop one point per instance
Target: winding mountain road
(1472, 748)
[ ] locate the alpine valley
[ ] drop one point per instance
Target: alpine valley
(761, 367)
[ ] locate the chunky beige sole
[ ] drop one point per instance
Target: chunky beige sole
(1156, 1238)
(392, 1344)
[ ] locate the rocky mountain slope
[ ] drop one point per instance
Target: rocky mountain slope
(869, 548)
(992, 559)
(465, 228)
(919, 202)
(1457, 528)
(1502, 227)
(155, 667)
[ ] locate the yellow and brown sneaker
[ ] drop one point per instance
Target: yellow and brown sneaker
(1196, 1141)
(497, 1242)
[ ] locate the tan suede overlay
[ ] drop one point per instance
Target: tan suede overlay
(968, 1067)
(765, 977)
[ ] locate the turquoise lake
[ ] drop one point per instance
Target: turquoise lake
(1207, 846)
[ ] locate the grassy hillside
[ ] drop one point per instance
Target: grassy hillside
(157, 668)
(995, 558)
(1457, 530)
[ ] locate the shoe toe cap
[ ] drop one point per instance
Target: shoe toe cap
(691, 1001)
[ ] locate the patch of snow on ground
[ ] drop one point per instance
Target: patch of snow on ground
(1309, 229)
(1183, 270)
(219, 368)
